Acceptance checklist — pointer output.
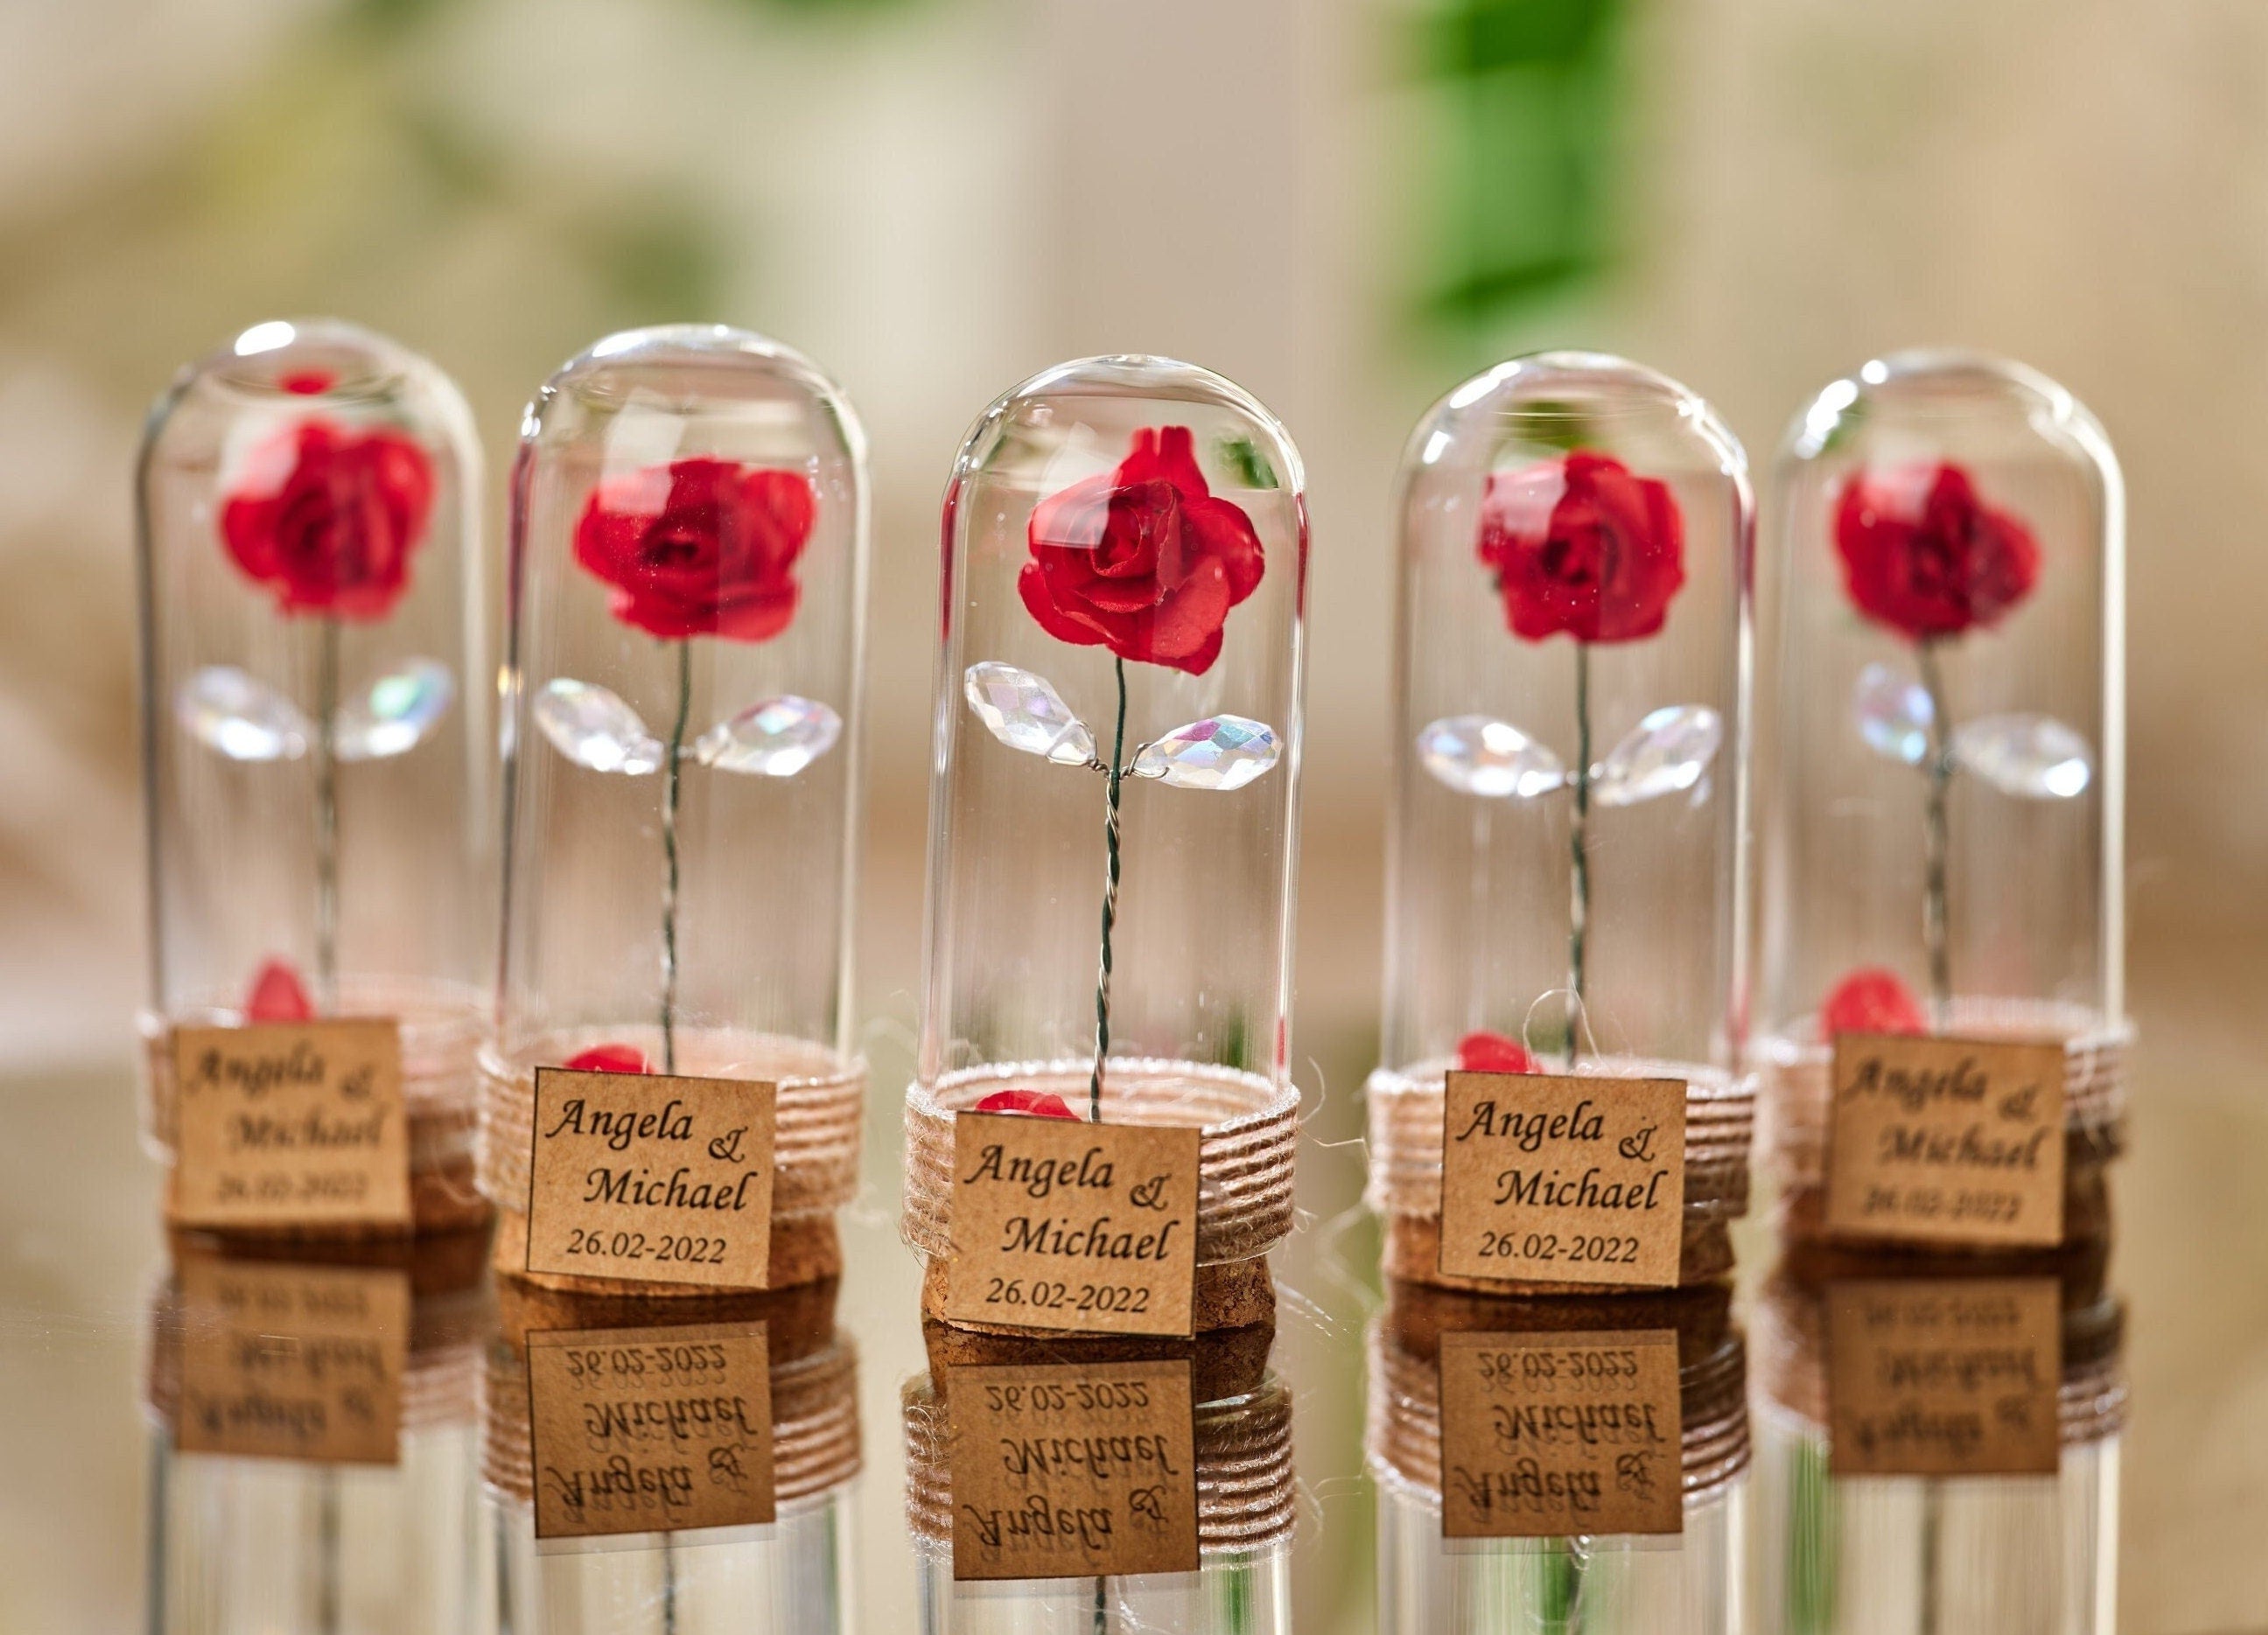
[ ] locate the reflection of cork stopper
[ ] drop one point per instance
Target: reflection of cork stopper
(1229, 1363)
(1250, 1134)
(1403, 1430)
(440, 1028)
(1246, 1493)
(450, 1311)
(1797, 1091)
(1405, 1111)
(1792, 1321)
(814, 1369)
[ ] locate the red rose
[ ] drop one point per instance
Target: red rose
(1871, 1001)
(610, 1059)
(1484, 1052)
(700, 547)
(327, 518)
(278, 996)
(1144, 562)
(1038, 1103)
(1924, 556)
(1582, 545)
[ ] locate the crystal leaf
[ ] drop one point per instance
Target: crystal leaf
(594, 729)
(1024, 712)
(1669, 749)
(224, 709)
(398, 713)
(1895, 714)
(1478, 755)
(1220, 752)
(777, 738)
(2027, 756)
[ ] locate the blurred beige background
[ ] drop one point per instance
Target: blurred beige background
(1346, 206)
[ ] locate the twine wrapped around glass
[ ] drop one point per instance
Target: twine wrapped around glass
(1565, 868)
(1942, 842)
(687, 594)
(1115, 799)
(316, 721)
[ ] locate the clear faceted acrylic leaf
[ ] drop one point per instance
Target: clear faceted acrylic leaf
(1894, 714)
(777, 738)
(396, 712)
(593, 728)
(242, 718)
(1024, 711)
(1478, 754)
(1220, 752)
(1667, 751)
(2030, 756)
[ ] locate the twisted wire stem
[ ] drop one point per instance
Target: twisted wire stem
(327, 817)
(669, 852)
(1937, 837)
(1579, 873)
(1118, 772)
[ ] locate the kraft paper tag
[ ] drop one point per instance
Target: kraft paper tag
(650, 1430)
(651, 1177)
(1955, 1377)
(284, 1361)
(1073, 1471)
(290, 1124)
(1555, 1178)
(1545, 1435)
(1061, 1224)
(1939, 1141)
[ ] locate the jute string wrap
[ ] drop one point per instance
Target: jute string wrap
(1250, 1125)
(1405, 1111)
(817, 1120)
(1799, 1088)
(440, 1024)
(1247, 1497)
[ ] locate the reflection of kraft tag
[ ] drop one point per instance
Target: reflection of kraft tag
(1945, 1140)
(1061, 1224)
(1944, 1377)
(287, 1361)
(650, 1430)
(290, 1124)
(1549, 1434)
(1557, 1178)
(651, 1177)
(1072, 1471)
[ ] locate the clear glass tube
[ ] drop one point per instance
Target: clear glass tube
(1565, 867)
(1114, 809)
(316, 710)
(1942, 839)
(687, 593)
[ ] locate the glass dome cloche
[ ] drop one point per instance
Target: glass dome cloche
(1115, 797)
(1942, 834)
(316, 717)
(686, 596)
(1566, 864)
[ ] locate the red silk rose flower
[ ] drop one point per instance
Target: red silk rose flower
(1923, 554)
(1145, 562)
(700, 547)
(278, 996)
(1871, 1000)
(1036, 1103)
(610, 1059)
(1583, 545)
(1486, 1052)
(327, 518)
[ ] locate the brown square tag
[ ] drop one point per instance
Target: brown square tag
(1545, 1435)
(290, 1124)
(1073, 1470)
(1946, 1377)
(650, 1430)
(651, 1177)
(1556, 1178)
(1061, 1224)
(1939, 1141)
(285, 1361)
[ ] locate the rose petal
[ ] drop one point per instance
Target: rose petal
(1036, 1103)
(610, 1059)
(1485, 1052)
(1872, 1000)
(278, 996)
